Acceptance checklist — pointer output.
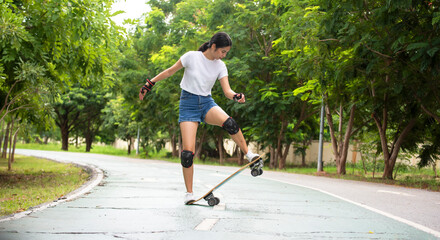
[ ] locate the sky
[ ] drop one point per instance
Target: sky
(132, 8)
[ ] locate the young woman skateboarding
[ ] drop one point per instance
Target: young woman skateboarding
(202, 69)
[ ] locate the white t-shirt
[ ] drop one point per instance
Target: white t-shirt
(201, 73)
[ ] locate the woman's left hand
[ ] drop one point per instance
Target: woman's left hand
(239, 97)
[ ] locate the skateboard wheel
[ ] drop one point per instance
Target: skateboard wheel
(217, 200)
(212, 201)
(255, 172)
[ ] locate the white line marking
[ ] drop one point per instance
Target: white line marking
(396, 193)
(206, 224)
(413, 224)
(220, 207)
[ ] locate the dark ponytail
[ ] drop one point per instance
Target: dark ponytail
(204, 46)
(221, 40)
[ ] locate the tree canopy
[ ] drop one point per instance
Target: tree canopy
(374, 64)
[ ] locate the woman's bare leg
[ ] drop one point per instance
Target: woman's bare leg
(216, 116)
(188, 131)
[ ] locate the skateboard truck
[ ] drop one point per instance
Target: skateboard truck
(212, 201)
(257, 168)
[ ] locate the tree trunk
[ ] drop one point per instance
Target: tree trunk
(199, 146)
(2, 131)
(354, 152)
(303, 159)
(333, 137)
(389, 167)
(434, 167)
(89, 135)
(283, 157)
(220, 148)
(272, 162)
(391, 157)
(65, 138)
(346, 141)
(76, 139)
(175, 153)
(6, 140)
(341, 145)
(10, 138)
(62, 121)
(129, 145)
(240, 156)
(89, 141)
(431, 113)
(13, 147)
(279, 155)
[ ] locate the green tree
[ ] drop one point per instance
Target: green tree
(385, 38)
(49, 46)
(68, 108)
(91, 117)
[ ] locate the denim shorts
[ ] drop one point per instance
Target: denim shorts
(193, 108)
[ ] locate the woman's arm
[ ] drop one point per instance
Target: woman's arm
(229, 93)
(168, 72)
(161, 76)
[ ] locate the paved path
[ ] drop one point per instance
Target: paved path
(142, 199)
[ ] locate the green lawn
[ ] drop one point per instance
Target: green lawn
(57, 147)
(34, 181)
(409, 177)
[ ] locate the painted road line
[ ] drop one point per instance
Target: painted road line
(207, 224)
(408, 222)
(396, 193)
(220, 207)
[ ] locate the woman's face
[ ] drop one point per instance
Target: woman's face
(220, 53)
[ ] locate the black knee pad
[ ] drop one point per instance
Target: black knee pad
(231, 126)
(186, 158)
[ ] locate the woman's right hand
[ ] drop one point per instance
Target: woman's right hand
(145, 89)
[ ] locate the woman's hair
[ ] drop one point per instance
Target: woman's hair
(221, 40)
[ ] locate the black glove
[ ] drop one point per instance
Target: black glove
(145, 89)
(238, 96)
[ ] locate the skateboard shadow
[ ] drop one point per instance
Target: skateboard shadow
(200, 205)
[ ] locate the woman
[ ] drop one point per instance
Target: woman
(202, 69)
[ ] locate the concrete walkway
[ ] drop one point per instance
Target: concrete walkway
(142, 199)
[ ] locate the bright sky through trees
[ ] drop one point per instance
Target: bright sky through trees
(133, 9)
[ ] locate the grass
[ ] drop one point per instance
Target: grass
(82, 148)
(412, 177)
(33, 181)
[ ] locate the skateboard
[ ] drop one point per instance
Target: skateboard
(256, 166)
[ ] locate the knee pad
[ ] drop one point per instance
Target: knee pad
(186, 158)
(231, 126)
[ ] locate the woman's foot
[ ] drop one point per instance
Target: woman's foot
(188, 197)
(251, 156)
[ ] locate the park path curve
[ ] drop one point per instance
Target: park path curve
(142, 199)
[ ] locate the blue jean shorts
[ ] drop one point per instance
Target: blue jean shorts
(193, 108)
